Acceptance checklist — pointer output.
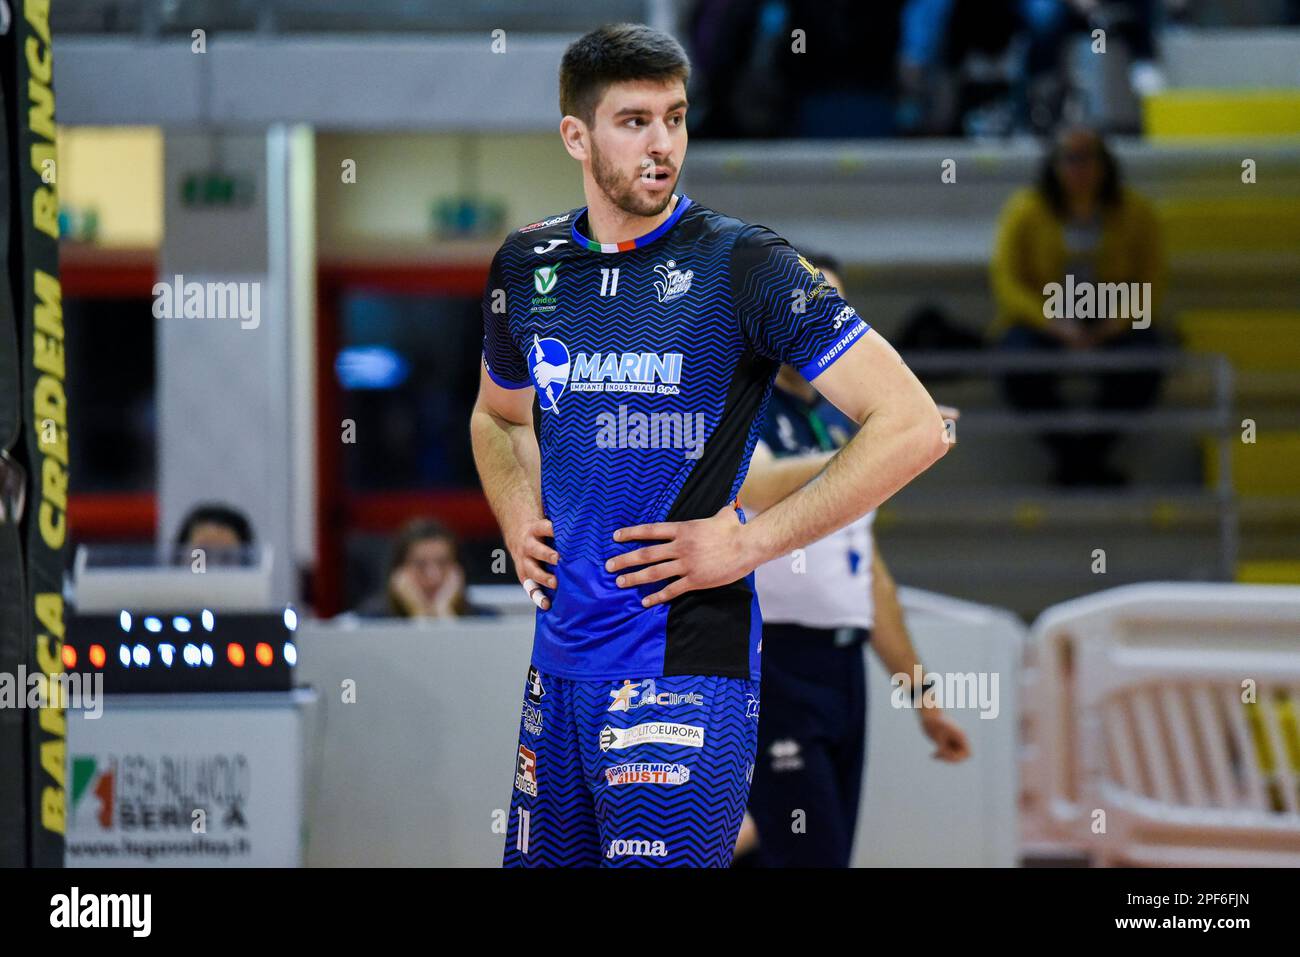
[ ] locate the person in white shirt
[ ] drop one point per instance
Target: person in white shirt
(820, 605)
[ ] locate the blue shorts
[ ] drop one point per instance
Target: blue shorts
(649, 773)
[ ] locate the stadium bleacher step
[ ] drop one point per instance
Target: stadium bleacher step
(1207, 114)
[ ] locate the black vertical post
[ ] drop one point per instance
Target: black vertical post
(27, 61)
(13, 489)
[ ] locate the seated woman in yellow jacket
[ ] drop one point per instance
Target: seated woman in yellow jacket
(1078, 265)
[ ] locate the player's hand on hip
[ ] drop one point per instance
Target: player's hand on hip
(703, 553)
(528, 551)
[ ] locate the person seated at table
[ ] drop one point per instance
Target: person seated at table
(219, 533)
(424, 578)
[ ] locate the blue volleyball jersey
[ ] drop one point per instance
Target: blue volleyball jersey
(652, 362)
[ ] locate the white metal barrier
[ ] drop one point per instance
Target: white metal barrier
(1161, 726)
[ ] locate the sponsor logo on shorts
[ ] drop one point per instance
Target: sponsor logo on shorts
(532, 719)
(751, 706)
(624, 848)
(656, 732)
(526, 772)
(786, 755)
(648, 774)
(630, 697)
(535, 689)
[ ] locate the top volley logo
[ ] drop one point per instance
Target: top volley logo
(672, 282)
(548, 361)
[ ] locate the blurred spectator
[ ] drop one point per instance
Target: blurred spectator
(1079, 225)
(425, 578)
(1050, 24)
(754, 77)
(220, 531)
(912, 67)
(845, 84)
(738, 87)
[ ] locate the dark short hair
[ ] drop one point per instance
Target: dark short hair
(213, 513)
(616, 53)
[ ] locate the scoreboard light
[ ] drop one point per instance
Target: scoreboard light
(246, 658)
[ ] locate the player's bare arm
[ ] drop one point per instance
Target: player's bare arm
(771, 479)
(509, 465)
(902, 434)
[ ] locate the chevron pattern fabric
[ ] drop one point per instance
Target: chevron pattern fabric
(648, 773)
(652, 366)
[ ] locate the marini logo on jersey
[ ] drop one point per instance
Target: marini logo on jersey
(553, 371)
(673, 282)
(548, 363)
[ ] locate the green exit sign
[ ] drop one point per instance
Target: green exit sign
(214, 189)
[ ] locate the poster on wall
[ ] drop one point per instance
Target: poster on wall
(158, 782)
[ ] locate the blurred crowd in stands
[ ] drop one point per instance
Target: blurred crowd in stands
(889, 68)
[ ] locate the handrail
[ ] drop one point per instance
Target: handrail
(1216, 417)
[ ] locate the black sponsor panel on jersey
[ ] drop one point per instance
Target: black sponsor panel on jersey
(708, 630)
